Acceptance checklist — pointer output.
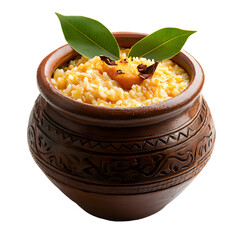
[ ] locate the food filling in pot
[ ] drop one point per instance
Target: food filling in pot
(129, 82)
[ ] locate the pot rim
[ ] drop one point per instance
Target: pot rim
(118, 116)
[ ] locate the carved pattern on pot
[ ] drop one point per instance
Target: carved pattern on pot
(171, 154)
(147, 144)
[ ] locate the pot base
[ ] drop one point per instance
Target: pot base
(121, 207)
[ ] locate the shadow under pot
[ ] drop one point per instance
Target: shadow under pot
(120, 163)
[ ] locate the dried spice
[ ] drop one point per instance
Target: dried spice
(108, 60)
(142, 68)
(147, 72)
(120, 72)
(124, 60)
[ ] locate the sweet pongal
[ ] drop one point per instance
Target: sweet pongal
(99, 81)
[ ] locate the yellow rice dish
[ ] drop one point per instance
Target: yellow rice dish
(95, 82)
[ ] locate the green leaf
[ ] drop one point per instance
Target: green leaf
(89, 37)
(160, 45)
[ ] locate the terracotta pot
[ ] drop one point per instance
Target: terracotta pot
(120, 163)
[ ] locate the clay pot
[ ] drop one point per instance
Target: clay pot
(120, 163)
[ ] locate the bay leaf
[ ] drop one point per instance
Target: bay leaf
(89, 37)
(160, 45)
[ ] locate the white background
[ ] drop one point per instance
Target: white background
(31, 207)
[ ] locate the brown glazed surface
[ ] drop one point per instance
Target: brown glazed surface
(120, 163)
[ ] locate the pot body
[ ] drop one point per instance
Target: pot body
(121, 171)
